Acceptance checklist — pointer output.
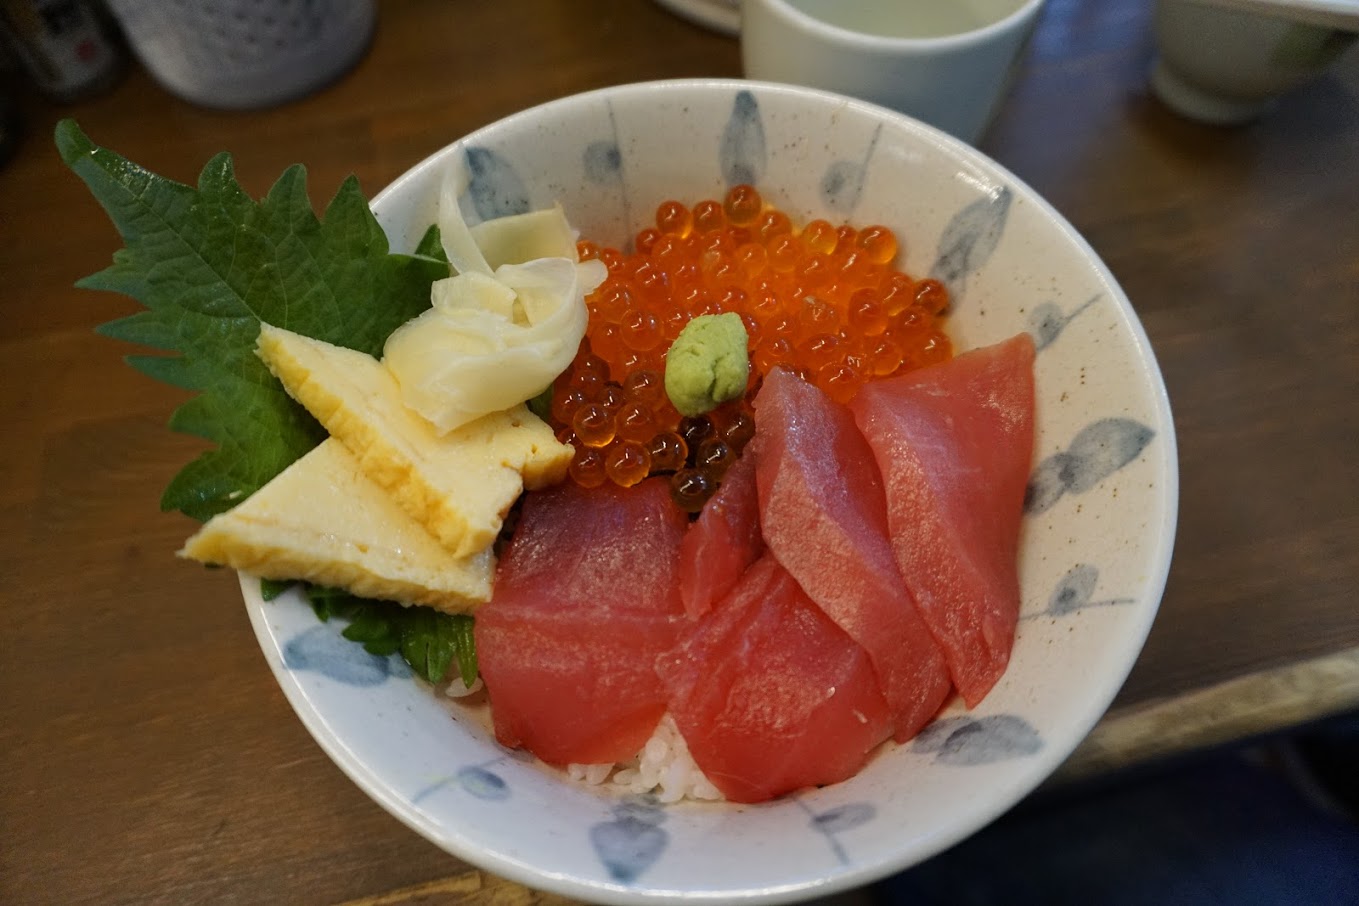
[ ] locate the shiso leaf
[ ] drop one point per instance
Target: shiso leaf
(464, 647)
(209, 264)
(272, 588)
(431, 245)
(376, 631)
(429, 641)
(541, 405)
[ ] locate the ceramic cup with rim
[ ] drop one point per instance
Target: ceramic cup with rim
(247, 54)
(946, 62)
(1224, 66)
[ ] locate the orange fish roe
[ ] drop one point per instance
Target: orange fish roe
(823, 301)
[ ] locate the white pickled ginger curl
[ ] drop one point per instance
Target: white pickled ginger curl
(504, 326)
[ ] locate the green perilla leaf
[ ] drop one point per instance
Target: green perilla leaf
(210, 264)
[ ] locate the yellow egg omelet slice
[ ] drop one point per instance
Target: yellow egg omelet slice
(458, 485)
(322, 520)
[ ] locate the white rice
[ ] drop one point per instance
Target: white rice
(663, 768)
(458, 689)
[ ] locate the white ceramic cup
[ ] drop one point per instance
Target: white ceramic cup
(246, 54)
(946, 62)
(1225, 65)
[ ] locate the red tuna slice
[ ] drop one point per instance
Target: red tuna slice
(769, 694)
(824, 517)
(954, 443)
(585, 600)
(722, 542)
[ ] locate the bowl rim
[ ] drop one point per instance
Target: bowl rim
(793, 16)
(1100, 695)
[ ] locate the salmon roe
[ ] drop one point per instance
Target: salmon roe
(823, 301)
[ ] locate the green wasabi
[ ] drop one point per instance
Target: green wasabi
(708, 363)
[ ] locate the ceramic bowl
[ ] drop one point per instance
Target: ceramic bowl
(1095, 547)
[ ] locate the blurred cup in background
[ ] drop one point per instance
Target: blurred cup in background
(1225, 64)
(946, 62)
(244, 54)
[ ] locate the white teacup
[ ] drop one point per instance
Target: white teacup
(1227, 61)
(947, 62)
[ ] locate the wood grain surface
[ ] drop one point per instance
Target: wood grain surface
(146, 754)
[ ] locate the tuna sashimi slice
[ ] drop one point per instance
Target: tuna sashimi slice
(955, 443)
(585, 600)
(824, 517)
(722, 542)
(769, 694)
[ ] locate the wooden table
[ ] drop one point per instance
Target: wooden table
(146, 753)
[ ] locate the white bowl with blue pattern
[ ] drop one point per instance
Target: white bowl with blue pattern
(1096, 542)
